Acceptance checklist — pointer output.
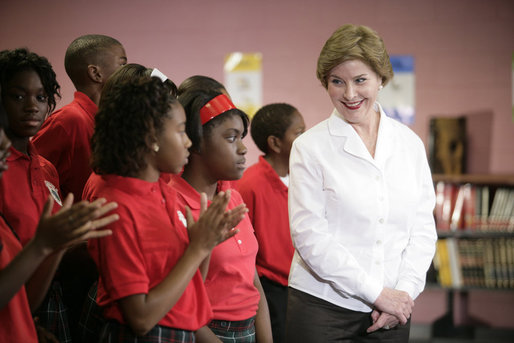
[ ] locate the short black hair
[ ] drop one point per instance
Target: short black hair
(127, 115)
(193, 101)
(14, 61)
(271, 120)
(200, 83)
(83, 51)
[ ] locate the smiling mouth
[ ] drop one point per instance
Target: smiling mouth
(353, 105)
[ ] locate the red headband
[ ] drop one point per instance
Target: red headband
(218, 105)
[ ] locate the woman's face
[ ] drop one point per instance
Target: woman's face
(353, 88)
(25, 102)
(223, 151)
(173, 142)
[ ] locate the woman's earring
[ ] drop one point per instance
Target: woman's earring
(155, 147)
(380, 87)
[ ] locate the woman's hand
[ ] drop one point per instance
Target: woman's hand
(382, 320)
(214, 224)
(73, 223)
(395, 302)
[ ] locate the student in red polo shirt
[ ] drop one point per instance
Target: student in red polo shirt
(264, 190)
(216, 129)
(34, 264)
(29, 91)
(64, 137)
(150, 287)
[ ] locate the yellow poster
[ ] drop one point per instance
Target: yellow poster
(243, 80)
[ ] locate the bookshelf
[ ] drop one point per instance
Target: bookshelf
(475, 248)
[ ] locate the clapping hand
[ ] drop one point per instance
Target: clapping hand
(73, 223)
(214, 225)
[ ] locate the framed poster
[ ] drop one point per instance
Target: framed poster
(398, 96)
(243, 80)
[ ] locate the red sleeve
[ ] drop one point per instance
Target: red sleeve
(120, 259)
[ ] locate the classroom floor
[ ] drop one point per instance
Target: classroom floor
(423, 334)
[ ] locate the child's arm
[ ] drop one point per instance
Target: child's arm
(143, 311)
(262, 320)
(54, 232)
(205, 335)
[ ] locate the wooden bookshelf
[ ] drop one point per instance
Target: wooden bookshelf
(495, 269)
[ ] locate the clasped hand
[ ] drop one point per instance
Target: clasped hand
(392, 307)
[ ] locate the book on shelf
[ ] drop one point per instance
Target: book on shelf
(473, 207)
(442, 264)
(445, 202)
(477, 263)
(455, 263)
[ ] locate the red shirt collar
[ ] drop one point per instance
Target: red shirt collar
(15, 154)
(191, 195)
(86, 103)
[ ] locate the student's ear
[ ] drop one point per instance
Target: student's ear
(274, 144)
(93, 72)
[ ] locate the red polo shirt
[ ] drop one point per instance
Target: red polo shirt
(231, 273)
(147, 241)
(24, 189)
(265, 195)
(16, 323)
(64, 139)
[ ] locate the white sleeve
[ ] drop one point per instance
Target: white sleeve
(418, 254)
(312, 235)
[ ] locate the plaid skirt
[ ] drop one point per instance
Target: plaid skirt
(91, 319)
(114, 331)
(234, 331)
(52, 314)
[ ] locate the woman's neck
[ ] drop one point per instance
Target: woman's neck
(148, 173)
(278, 164)
(200, 182)
(19, 143)
(368, 132)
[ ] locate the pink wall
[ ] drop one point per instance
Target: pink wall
(462, 48)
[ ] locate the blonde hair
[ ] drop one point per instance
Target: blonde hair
(350, 42)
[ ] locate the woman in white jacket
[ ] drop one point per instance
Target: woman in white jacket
(361, 205)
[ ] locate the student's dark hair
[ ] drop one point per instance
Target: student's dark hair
(271, 120)
(132, 72)
(129, 114)
(86, 50)
(192, 102)
(200, 83)
(14, 61)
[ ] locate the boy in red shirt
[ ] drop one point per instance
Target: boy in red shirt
(64, 136)
(264, 190)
